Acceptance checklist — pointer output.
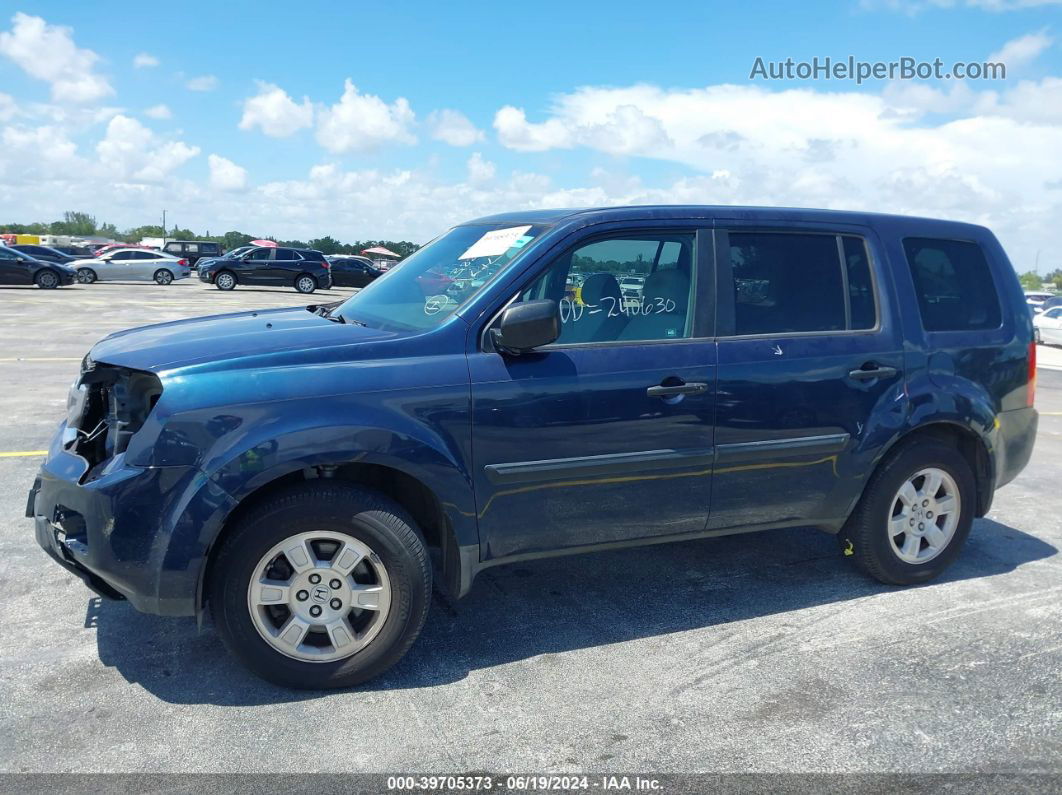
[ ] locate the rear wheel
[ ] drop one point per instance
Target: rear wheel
(86, 275)
(325, 585)
(305, 283)
(914, 516)
(225, 280)
(47, 280)
(163, 276)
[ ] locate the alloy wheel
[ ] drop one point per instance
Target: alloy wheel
(319, 596)
(925, 513)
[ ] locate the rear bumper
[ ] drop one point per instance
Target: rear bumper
(1017, 435)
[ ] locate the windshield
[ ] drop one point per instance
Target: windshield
(237, 252)
(430, 285)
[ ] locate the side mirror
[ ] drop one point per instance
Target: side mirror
(526, 326)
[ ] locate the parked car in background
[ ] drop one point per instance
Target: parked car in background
(1035, 299)
(75, 251)
(1048, 326)
(304, 269)
(631, 286)
(192, 250)
(235, 253)
(44, 253)
(305, 473)
(17, 267)
(101, 250)
(131, 264)
(1050, 302)
(352, 271)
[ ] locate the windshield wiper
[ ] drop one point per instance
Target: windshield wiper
(325, 310)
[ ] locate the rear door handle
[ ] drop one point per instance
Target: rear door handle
(691, 388)
(870, 370)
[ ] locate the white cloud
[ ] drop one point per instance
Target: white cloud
(159, 112)
(1016, 53)
(453, 127)
(480, 170)
(131, 151)
(8, 107)
(361, 122)
(917, 6)
(226, 175)
(275, 113)
(144, 60)
(202, 83)
(515, 132)
(48, 53)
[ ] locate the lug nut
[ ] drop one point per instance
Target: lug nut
(315, 611)
(335, 584)
(315, 578)
(925, 503)
(335, 604)
(302, 596)
(921, 526)
(929, 514)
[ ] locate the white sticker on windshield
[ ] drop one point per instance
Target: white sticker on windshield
(495, 243)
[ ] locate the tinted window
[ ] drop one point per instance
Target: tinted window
(173, 248)
(286, 254)
(208, 248)
(122, 255)
(860, 285)
(6, 253)
(953, 284)
(585, 283)
(143, 254)
(786, 283)
(316, 256)
(260, 254)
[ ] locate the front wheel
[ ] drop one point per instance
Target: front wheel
(47, 280)
(325, 585)
(306, 283)
(914, 516)
(86, 275)
(225, 281)
(163, 276)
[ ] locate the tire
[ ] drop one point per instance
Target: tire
(305, 283)
(46, 280)
(163, 276)
(343, 513)
(869, 536)
(225, 280)
(86, 275)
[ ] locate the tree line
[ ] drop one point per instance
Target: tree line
(79, 224)
(1034, 281)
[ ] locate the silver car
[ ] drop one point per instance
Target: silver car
(131, 264)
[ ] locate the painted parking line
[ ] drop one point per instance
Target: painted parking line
(24, 454)
(42, 359)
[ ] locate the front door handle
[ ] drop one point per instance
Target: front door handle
(691, 388)
(871, 370)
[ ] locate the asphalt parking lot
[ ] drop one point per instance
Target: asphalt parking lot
(766, 652)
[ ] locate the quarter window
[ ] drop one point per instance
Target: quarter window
(624, 288)
(953, 284)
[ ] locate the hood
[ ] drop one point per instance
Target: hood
(270, 332)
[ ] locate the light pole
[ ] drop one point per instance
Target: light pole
(164, 229)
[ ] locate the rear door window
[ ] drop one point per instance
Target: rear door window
(953, 284)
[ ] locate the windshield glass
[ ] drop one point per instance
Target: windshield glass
(237, 252)
(430, 285)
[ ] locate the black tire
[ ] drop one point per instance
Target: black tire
(86, 275)
(163, 276)
(305, 283)
(225, 280)
(358, 512)
(47, 279)
(865, 537)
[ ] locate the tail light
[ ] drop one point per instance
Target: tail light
(1030, 389)
(182, 262)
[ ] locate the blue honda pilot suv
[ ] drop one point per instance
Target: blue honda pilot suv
(304, 473)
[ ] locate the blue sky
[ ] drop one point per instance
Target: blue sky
(547, 103)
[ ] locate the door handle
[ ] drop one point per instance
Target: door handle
(870, 370)
(691, 388)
